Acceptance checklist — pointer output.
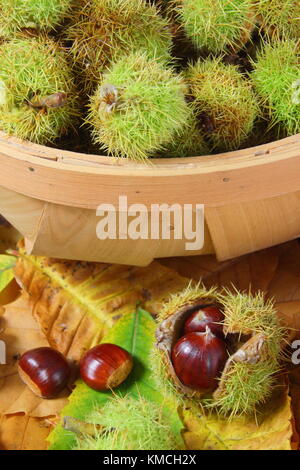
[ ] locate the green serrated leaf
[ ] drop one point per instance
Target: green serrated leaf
(135, 333)
(7, 264)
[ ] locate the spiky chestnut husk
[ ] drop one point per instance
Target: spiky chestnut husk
(41, 15)
(279, 18)
(191, 140)
(216, 25)
(249, 376)
(128, 423)
(254, 338)
(138, 108)
(102, 31)
(189, 143)
(276, 78)
(225, 99)
(37, 96)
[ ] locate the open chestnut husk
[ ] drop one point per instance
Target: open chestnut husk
(254, 341)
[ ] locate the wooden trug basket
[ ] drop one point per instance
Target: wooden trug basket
(251, 197)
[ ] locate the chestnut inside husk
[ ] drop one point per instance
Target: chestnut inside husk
(170, 331)
(209, 316)
(254, 338)
(198, 359)
(242, 347)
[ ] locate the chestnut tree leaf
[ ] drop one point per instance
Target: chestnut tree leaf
(76, 303)
(23, 432)
(270, 429)
(135, 333)
(7, 264)
(255, 270)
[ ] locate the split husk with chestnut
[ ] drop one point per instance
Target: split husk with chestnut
(254, 340)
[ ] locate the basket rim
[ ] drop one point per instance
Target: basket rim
(50, 174)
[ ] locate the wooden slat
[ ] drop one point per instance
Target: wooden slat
(246, 175)
(70, 232)
(242, 228)
(251, 199)
(58, 154)
(22, 212)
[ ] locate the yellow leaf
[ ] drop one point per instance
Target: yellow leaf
(271, 430)
(76, 303)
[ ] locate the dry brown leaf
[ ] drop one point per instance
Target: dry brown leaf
(20, 332)
(75, 303)
(256, 269)
(195, 267)
(285, 285)
(289, 312)
(10, 293)
(271, 430)
(9, 237)
(21, 432)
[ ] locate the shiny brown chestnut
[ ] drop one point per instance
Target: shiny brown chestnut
(45, 371)
(208, 315)
(105, 366)
(198, 360)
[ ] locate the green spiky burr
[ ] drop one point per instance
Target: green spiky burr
(250, 376)
(138, 108)
(224, 101)
(255, 340)
(37, 96)
(103, 30)
(216, 25)
(127, 423)
(189, 143)
(40, 15)
(277, 79)
(279, 18)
